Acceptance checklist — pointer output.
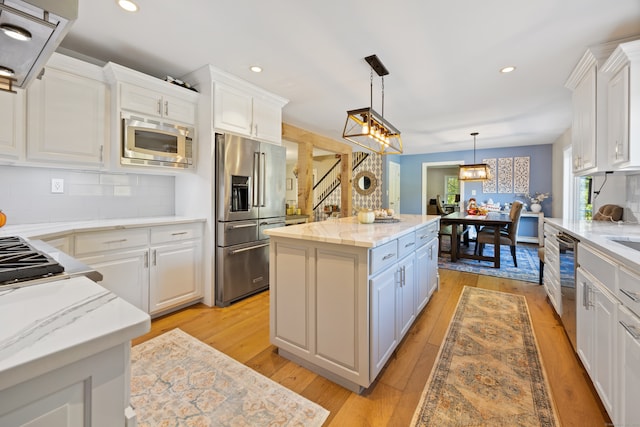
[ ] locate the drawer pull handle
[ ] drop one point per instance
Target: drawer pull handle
(179, 234)
(424, 236)
(633, 296)
(387, 256)
(633, 331)
(409, 244)
(114, 241)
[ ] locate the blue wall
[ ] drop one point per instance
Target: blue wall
(411, 174)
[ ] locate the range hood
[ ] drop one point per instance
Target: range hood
(46, 22)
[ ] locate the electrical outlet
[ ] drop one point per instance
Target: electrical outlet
(473, 192)
(57, 185)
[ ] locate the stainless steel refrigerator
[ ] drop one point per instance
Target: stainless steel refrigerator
(250, 198)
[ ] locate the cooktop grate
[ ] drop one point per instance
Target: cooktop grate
(19, 261)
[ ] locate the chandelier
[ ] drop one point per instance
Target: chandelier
(476, 171)
(368, 129)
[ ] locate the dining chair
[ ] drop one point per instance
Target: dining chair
(439, 206)
(507, 236)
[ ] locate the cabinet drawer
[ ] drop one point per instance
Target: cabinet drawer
(426, 234)
(599, 265)
(101, 241)
(629, 289)
(406, 244)
(383, 256)
(175, 233)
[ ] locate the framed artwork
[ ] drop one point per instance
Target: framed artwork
(289, 183)
(505, 175)
(489, 186)
(521, 175)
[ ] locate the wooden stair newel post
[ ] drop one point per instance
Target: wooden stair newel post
(346, 189)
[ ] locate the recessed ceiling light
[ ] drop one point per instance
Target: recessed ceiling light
(6, 72)
(17, 33)
(508, 69)
(256, 69)
(128, 5)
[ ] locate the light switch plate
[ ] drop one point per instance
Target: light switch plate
(57, 185)
(473, 192)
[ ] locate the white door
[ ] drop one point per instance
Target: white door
(394, 186)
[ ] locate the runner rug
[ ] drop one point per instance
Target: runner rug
(488, 371)
(177, 380)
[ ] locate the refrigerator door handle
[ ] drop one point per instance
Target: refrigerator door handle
(250, 248)
(256, 180)
(263, 177)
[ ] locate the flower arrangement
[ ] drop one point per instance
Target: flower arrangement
(537, 198)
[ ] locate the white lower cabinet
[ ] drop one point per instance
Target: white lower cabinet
(426, 273)
(174, 275)
(629, 363)
(89, 392)
(406, 294)
(551, 277)
(384, 336)
(596, 319)
(155, 269)
(125, 273)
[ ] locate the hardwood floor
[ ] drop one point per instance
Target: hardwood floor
(242, 332)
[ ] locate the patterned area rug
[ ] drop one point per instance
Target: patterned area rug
(527, 256)
(177, 380)
(488, 371)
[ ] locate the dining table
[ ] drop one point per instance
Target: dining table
(496, 220)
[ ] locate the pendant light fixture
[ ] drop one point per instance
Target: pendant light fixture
(476, 171)
(368, 129)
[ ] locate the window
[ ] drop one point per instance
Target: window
(585, 208)
(451, 189)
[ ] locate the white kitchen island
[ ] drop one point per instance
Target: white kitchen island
(64, 355)
(343, 294)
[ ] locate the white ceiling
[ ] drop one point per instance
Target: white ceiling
(443, 58)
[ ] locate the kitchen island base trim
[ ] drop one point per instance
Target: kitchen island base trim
(349, 385)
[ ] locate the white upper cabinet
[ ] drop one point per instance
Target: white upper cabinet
(238, 106)
(141, 93)
(12, 125)
(156, 104)
(583, 130)
(624, 106)
(68, 114)
(238, 111)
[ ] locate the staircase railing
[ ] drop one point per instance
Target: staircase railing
(331, 180)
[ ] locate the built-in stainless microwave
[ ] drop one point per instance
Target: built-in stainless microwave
(150, 142)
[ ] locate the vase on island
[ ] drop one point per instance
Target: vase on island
(536, 207)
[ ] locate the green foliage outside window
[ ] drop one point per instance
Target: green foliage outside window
(585, 208)
(451, 188)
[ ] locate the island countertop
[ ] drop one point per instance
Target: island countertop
(348, 231)
(54, 324)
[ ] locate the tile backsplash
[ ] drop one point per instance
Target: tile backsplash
(632, 205)
(26, 196)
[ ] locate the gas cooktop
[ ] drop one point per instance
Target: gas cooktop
(19, 261)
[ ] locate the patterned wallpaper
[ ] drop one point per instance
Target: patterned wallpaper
(373, 164)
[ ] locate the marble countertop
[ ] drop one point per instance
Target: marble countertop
(49, 325)
(51, 229)
(600, 233)
(348, 231)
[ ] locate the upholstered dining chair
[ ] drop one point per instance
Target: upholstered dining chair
(439, 206)
(507, 236)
